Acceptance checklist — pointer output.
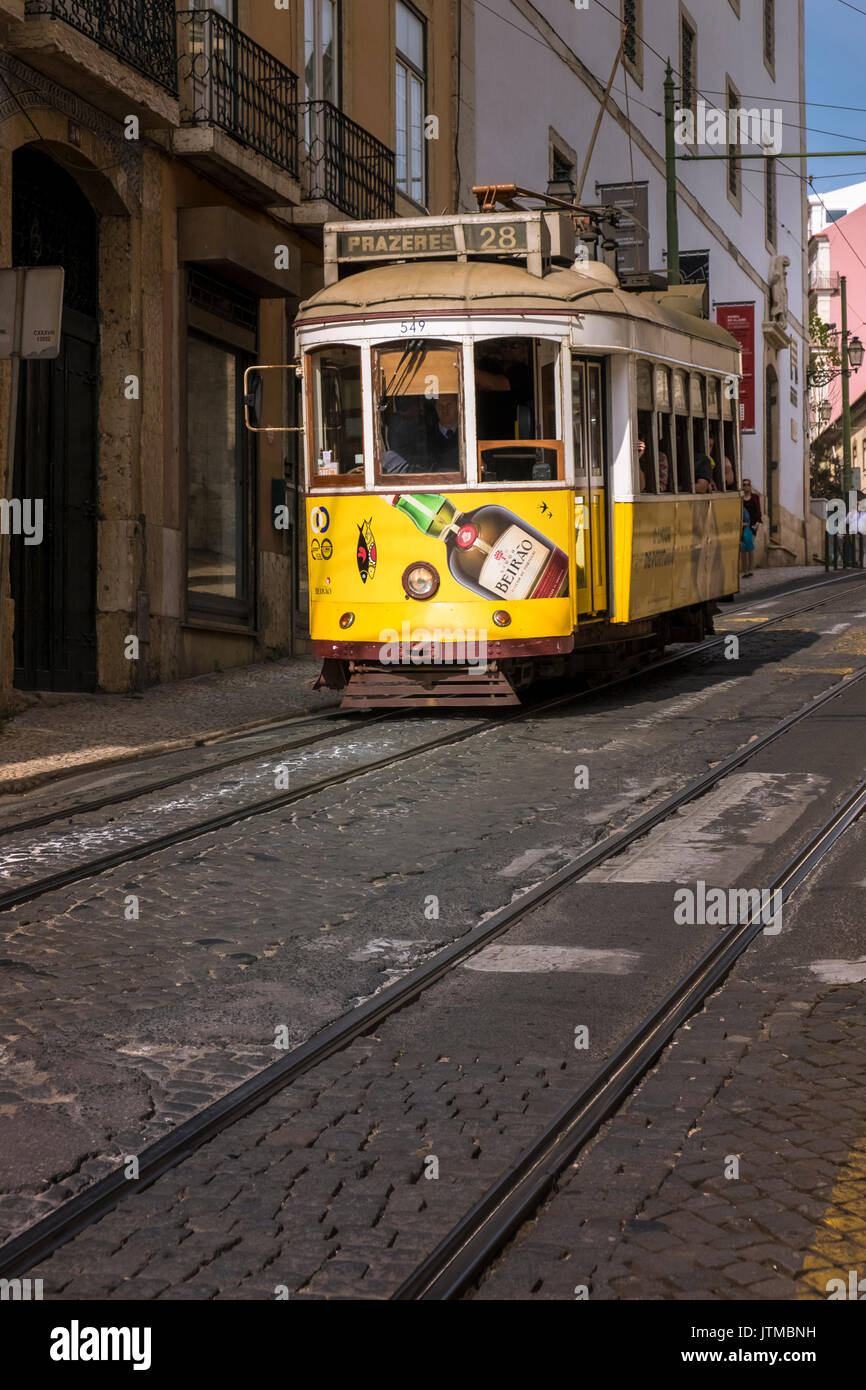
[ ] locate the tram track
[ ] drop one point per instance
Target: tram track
(352, 723)
(128, 854)
(459, 1262)
(488, 1226)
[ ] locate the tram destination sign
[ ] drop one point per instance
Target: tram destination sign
(496, 238)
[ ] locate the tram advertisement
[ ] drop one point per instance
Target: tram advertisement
(491, 548)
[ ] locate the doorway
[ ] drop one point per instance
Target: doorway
(54, 582)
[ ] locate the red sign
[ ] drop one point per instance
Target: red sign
(739, 320)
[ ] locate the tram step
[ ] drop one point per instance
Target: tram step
(377, 687)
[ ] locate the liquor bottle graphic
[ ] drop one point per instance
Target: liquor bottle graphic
(490, 549)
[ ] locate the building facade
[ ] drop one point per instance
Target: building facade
(537, 74)
(838, 223)
(180, 163)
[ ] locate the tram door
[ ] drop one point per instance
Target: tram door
(590, 509)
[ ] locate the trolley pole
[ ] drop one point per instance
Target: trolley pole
(671, 181)
(847, 475)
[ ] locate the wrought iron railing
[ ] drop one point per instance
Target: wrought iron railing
(140, 32)
(826, 282)
(229, 81)
(344, 163)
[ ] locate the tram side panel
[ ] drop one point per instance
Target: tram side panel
(675, 553)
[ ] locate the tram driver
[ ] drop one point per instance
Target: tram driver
(424, 435)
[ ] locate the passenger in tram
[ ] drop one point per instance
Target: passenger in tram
(664, 468)
(704, 474)
(641, 450)
(664, 472)
(730, 475)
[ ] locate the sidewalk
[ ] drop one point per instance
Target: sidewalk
(65, 733)
(772, 578)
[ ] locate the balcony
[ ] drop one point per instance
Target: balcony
(346, 170)
(119, 54)
(825, 284)
(238, 110)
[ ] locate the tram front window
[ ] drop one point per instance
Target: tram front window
(418, 409)
(338, 425)
(516, 410)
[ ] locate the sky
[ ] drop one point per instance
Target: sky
(835, 49)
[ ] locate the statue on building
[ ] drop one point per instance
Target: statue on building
(778, 281)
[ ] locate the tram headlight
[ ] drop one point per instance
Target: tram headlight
(420, 580)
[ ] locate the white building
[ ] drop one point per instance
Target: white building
(829, 207)
(533, 76)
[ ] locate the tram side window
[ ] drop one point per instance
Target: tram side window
(664, 430)
(703, 463)
(729, 435)
(715, 448)
(338, 425)
(578, 415)
(646, 430)
(683, 434)
(418, 409)
(516, 409)
(595, 432)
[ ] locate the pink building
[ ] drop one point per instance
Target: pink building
(837, 247)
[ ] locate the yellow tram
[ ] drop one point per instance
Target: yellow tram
(514, 467)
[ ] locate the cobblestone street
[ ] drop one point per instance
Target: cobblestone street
(432, 679)
(342, 1183)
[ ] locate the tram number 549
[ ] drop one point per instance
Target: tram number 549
(413, 325)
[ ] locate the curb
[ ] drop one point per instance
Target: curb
(17, 785)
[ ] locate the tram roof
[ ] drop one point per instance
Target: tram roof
(494, 288)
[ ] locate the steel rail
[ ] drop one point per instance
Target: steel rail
(64, 878)
(117, 798)
(462, 1257)
(45, 1236)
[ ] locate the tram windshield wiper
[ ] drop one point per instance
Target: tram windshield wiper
(402, 373)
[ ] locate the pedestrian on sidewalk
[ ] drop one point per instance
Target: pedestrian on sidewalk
(747, 545)
(752, 500)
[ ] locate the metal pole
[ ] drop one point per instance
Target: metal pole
(673, 230)
(601, 110)
(847, 477)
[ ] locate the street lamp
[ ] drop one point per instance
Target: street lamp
(823, 411)
(855, 354)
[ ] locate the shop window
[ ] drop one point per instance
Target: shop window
(218, 454)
